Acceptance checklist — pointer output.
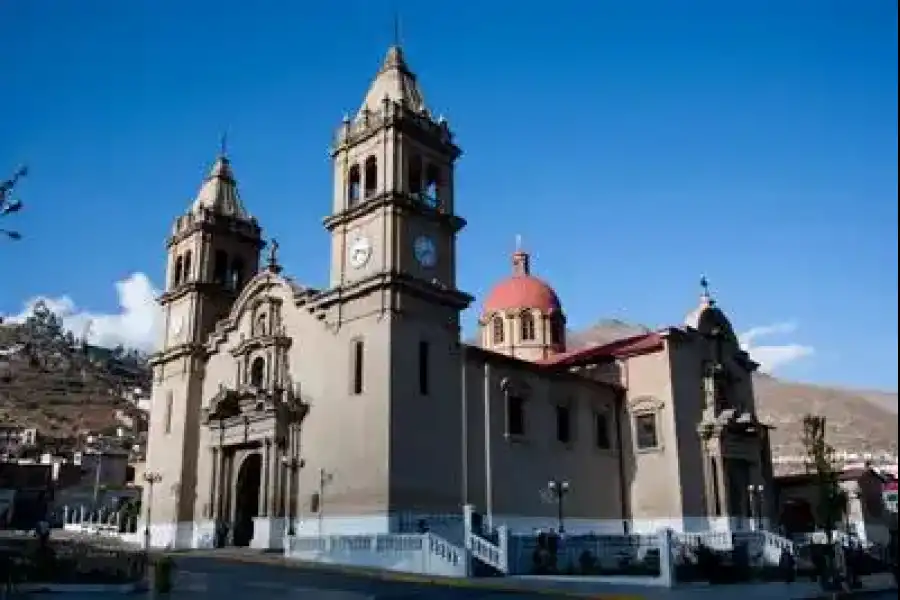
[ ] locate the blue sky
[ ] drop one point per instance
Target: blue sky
(634, 145)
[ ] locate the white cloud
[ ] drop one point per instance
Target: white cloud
(138, 324)
(772, 357)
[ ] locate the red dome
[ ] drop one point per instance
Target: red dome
(522, 291)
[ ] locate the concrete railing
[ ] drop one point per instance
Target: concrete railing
(424, 553)
(102, 522)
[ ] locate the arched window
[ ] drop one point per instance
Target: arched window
(414, 174)
(371, 176)
(186, 274)
(353, 181)
(237, 274)
(177, 271)
(497, 327)
(257, 372)
(432, 182)
(220, 267)
(527, 326)
(557, 331)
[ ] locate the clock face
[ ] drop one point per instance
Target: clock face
(360, 251)
(425, 251)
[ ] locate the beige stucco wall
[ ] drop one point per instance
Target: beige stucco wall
(521, 467)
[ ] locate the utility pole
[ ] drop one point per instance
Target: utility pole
(8, 205)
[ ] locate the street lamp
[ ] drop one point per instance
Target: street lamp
(151, 478)
(755, 493)
(292, 464)
(558, 489)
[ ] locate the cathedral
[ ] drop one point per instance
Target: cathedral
(281, 409)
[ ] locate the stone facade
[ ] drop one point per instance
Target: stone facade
(357, 408)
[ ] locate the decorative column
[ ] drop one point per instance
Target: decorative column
(274, 482)
(213, 481)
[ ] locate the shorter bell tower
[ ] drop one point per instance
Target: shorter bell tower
(213, 250)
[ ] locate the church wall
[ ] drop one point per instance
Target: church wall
(425, 428)
(654, 473)
(522, 466)
(173, 428)
(345, 434)
(686, 358)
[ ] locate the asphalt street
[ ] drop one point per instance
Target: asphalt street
(199, 578)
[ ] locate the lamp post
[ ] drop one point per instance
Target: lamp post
(98, 467)
(151, 478)
(755, 494)
(324, 479)
(558, 489)
(293, 464)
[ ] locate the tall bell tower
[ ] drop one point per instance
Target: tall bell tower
(394, 230)
(213, 250)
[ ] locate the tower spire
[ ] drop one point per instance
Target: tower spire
(223, 145)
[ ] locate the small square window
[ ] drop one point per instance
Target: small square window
(645, 432)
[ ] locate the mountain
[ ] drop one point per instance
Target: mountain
(859, 421)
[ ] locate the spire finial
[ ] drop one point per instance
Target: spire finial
(705, 296)
(223, 145)
(273, 265)
(518, 242)
(396, 28)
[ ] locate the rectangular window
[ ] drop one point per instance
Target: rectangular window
(358, 355)
(601, 431)
(423, 368)
(515, 415)
(168, 414)
(645, 432)
(563, 424)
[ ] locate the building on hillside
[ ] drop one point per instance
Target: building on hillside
(15, 438)
(279, 408)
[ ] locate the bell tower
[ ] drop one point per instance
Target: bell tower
(393, 296)
(393, 209)
(213, 250)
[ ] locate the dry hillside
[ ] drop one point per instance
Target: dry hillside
(50, 381)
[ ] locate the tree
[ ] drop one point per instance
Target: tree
(832, 505)
(8, 205)
(832, 499)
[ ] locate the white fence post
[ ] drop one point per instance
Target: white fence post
(666, 562)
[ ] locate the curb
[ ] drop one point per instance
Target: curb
(849, 594)
(395, 576)
(79, 588)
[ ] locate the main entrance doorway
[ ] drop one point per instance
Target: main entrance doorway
(247, 499)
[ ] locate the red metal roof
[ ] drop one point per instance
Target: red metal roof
(645, 343)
